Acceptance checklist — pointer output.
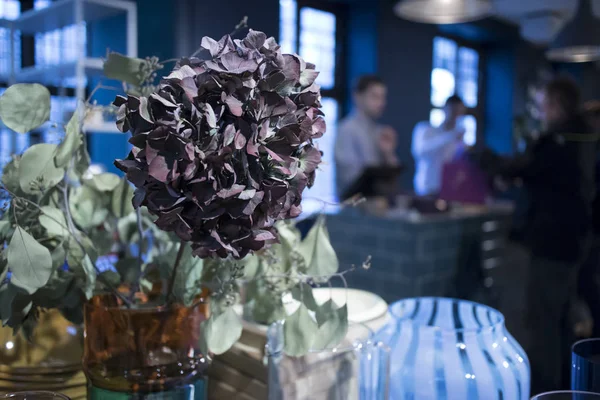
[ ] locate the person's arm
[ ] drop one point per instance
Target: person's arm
(424, 145)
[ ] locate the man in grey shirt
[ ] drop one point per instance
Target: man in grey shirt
(361, 142)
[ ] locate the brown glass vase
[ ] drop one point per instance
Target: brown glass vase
(144, 352)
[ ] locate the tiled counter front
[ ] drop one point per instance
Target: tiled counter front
(442, 255)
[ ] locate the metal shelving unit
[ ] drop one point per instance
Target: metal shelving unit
(60, 14)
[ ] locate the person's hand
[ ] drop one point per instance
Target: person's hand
(387, 145)
(387, 140)
(460, 134)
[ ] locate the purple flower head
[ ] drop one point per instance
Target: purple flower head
(224, 148)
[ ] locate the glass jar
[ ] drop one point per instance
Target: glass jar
(453, 349)
(40, 395)
(356, 369)
(145, 352)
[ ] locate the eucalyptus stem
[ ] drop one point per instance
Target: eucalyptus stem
(136, 284)
(182, 245)
(65, 191)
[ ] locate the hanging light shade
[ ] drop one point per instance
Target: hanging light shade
(579, 41)
(443, 11)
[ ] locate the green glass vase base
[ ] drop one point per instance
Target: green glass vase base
(195, 391)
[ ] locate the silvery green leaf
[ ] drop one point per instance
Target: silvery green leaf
(38, 162)
(10, 175)
(128, 269)
(289, 235)
(29, 261)
(59, 255)
(333, 325)
(251, 266)
(316, 249)
(222, 331)
(122, 196)
(71, 143)
(123, 68)
(304, 294)
(15, 304)
(25, 106)
(111, 277)
(88, 207)
(5, 228)
(267, 307)
(104, 182)
(87, 269)
(53, 220)
(299, 332)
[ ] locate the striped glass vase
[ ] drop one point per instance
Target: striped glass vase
(446, 349)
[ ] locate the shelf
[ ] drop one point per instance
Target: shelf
(56, 75)
(63, 13)
(104, 127)
(5, 23)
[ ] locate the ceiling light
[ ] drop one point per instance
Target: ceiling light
(443, 11)
(579, 40)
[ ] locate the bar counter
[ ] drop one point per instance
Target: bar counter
(453, 254)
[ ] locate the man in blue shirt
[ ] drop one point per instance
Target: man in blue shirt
(361, 142)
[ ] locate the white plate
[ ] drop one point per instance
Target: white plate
(362, 306)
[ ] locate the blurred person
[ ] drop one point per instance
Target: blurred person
(434, 147)
(589, 276)
(557, 171)
(361, 142)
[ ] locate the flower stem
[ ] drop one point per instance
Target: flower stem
(182, 245)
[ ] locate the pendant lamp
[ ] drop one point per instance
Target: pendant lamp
(579, 40)
(443, 11)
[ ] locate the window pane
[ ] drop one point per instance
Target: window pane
(436, 117)
(9, 9)
(468, 64)
(288, 26)
(470, 124)
(324, 187)
(317, 43)
(443, 82)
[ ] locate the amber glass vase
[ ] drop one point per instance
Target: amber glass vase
(144, 352)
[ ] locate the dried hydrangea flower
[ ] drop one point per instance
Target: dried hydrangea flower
(224, 148)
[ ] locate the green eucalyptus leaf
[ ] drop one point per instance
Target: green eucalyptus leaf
(53, 220)
(222, 331)
(38, 162)
(303, 293)
(10, 175)
(289, 235)
(72, 141)
(299, 332)
(5, 228)
(105, 182)
(112, 277)
(251, 266)
(15, 304)
(121, 200)
(87, 269)
(25, 106)
(103, 240)
(123, 68)
(320, 256)
(333, 325)
(29, 261)
(186, 284)
(59, 255)
(88, 207)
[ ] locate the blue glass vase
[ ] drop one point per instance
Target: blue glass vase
(448, 349)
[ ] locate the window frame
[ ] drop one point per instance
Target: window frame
(478, 111)
(340, 11)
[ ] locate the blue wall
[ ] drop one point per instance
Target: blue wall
(156, 37)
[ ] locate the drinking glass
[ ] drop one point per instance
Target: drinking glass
(356, 369)
(40, 395)
(567, 395)
(585, 366)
